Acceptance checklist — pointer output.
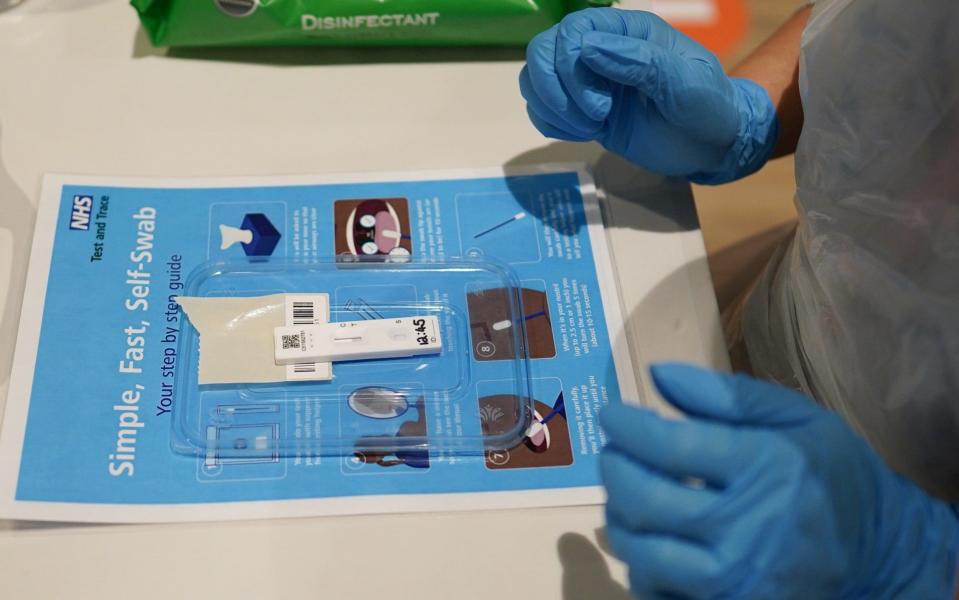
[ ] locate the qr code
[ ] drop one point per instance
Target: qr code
(291, 341)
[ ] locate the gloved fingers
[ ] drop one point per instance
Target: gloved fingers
(642, 500)
(652, 69)
(737, 399)
(546, 121)
(680, 449)
(631, 23)
(551, 131)
(545, 82)
(689, 91)
(586, 88)
(664, 566)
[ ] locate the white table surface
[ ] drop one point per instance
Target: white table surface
(82, 92)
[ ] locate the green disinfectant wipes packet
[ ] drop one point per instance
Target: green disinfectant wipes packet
(350, 22)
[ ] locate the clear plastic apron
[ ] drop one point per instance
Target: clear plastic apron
(861, 308)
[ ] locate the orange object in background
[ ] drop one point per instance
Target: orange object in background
(717, 24)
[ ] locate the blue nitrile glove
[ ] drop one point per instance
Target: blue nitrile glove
(794, 504)
(649, 93)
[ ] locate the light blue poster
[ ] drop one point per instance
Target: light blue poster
(89, 424)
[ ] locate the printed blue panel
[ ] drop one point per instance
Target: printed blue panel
(99, 426)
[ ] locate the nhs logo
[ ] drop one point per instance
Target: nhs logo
(80, 217)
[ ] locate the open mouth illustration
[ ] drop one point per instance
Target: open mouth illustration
(376, 227)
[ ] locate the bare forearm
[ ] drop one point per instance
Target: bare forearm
(775, 66)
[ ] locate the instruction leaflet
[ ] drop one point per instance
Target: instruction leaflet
(87, 430)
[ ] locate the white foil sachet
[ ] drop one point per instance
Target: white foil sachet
(236, 336)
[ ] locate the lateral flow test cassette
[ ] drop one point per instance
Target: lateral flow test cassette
(366, 340)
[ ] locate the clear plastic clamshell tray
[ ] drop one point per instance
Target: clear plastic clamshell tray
(404, 409)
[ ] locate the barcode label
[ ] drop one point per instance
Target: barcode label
(304, 313)
(306, 309)
(291, 341)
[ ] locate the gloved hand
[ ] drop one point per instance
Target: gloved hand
(763, 494)
(646, 92)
